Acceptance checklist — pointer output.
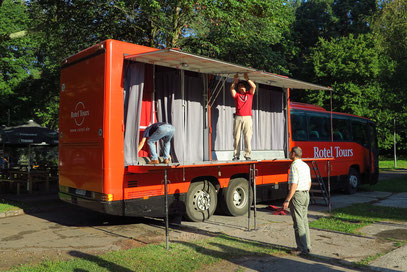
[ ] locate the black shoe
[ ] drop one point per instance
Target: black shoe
(247, 158)
(235, 158)
(299, 252)
(304, 253)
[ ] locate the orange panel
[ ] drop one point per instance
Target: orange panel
(81, 121)
(114, 114)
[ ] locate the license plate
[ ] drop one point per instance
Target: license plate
(80, 192)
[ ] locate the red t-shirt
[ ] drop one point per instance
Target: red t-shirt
(243, 104)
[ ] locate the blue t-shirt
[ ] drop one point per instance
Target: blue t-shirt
(151, 129)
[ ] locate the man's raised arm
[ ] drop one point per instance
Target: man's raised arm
(232, 87)
(251, 83)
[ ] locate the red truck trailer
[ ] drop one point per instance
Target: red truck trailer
(109, 94)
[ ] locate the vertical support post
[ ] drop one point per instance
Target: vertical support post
(8, 117)
(329, 187)
(249, 198)
(395, 146)
(183, 139)
(332, 126)
(29, 180)
(166, 207)
(254, 195)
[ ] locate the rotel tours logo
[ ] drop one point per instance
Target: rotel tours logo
(79, 114)
(336, 152)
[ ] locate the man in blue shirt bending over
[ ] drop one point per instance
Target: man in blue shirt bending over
(154, 133)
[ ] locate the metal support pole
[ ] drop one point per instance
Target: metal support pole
(249, 203)
(254, 195)
(29, 183)
(395, 146)
(329, 187)
(166, 207)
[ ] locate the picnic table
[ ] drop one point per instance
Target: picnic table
(24, 177)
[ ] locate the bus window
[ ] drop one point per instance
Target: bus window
(373, 137)
(299, 126)
(341, 129)
(319, 127)
(359, 132)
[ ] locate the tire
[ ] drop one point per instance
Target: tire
(201, 201)
(353, 181)
(236, 197)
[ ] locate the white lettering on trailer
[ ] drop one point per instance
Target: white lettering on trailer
(343, 152)
(328, 152)
(79, 114)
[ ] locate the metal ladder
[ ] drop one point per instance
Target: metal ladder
(318, 189)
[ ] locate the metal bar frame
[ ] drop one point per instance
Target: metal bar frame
(166, 209)
(252, 180)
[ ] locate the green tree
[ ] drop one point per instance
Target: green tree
(17, 62)
(390, 29)
(354, 16)
(249, 32)
(314, 20)
(359, 74)
(63, 28)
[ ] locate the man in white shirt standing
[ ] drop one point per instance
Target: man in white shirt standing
(299, 182)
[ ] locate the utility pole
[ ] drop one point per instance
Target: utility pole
(394, 139)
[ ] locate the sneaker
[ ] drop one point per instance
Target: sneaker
(247, 158)
(235, 158)
(167, 161)
(153, 162)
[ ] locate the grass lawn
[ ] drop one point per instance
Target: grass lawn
(394, 185)
(7, 206)
(182, 256)
(387, 164)
(350, 219)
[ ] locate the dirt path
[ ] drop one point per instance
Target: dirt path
(61, 231)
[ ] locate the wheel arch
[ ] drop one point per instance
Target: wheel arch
(241, 175)
(211, 179)
(356, 167)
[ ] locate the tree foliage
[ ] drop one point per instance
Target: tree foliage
(17, 60)
(390, 29)
(358, 47)
(249, 32)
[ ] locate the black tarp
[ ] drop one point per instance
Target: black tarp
(26, 134)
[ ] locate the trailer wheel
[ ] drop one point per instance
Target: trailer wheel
(353, 181)
(236, 197)
(201, 201)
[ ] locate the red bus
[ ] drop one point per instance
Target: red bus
(109, 94)
(350, 139)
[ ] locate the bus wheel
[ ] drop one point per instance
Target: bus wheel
(201, 201)
(353, 181)
(236, 197)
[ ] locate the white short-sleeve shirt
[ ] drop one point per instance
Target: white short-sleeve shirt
(300, 174)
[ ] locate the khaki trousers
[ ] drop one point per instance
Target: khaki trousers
(242, 123)
(299, 212)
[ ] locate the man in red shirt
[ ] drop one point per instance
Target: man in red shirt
(243, 118)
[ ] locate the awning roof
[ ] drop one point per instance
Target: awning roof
(186, 61)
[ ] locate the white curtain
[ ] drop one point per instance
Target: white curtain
(133, 97)
(268, 119)
(183, 108)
